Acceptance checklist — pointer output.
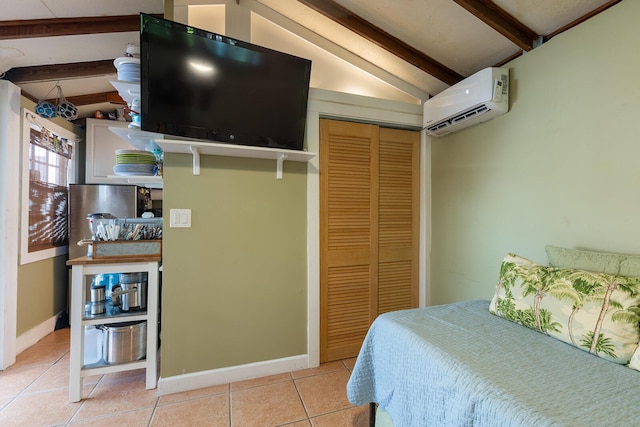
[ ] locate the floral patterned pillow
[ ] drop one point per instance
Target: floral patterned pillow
(572, 305)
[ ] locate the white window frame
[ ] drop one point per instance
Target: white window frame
(32, 121)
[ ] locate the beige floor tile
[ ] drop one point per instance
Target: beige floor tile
(349, 363)
(211, 411)
(357, 416)
(14, 380)
(303, 423)
(137, 418)
(193, 394)
(65, 358)
(124, 376)
(61, 336)
(326, 393)
(4, 401)
(271, 379)
(46, 354)
(57, 376)
(40, 378)
(39, 409)
(267, 405)
(114, 397)
(322, 369)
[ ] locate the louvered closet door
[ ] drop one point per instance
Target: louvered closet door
(369, 230)
(399, 216)
(348, 236)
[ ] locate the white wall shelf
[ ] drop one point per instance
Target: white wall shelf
(197, 148)
(140, 139)
(142, 180)
(150, 141)
(127, 90)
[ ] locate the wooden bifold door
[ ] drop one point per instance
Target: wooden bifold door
(369, 229)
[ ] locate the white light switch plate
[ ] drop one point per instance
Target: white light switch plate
(180, 218)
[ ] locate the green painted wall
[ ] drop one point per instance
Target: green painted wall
(43, 288)
(560, 168)
(234, 284)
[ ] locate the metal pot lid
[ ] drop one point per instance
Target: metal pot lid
(123, 325)
(100, 215)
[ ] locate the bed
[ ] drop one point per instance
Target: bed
(461, 364)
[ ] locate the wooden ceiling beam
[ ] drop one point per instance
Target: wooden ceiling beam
(74, 70)
(93, 98)
(495, 17)
(71, 70)
(88, 99)
(22, 29)
(358, 25)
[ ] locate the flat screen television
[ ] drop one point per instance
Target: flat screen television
(206, 86)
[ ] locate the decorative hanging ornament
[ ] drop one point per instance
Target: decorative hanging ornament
(62, 108)
(66, 110)
(46, 109)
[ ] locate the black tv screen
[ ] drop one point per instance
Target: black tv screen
(206, 86)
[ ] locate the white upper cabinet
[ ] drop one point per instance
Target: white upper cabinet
(102, 144)
(101, 151)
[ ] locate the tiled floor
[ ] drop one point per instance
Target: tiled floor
(34, 392)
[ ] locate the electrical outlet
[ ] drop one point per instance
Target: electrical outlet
(180, 218)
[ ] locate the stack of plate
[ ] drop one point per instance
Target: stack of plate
(128, 69)
(135, 163)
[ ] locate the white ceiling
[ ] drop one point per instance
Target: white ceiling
(440, 29)
(67, 49)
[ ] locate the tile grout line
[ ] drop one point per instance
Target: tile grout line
(229, 411)
(83, 401)
(153, 412)
(304, 406)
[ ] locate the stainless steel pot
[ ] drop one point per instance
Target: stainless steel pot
(124, 342)
(97, 293)
(130, 296)
(97, 299)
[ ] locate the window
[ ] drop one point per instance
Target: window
(48, 168)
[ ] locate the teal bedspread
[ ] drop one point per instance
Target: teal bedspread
(459, 365)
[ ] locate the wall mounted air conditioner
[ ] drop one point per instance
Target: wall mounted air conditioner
(476, 99)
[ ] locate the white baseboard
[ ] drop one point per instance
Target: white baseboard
(35, 334)
(231, 374)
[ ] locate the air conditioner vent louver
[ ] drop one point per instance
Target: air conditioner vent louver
(460, 118)
(476, 99)
(467, 115)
